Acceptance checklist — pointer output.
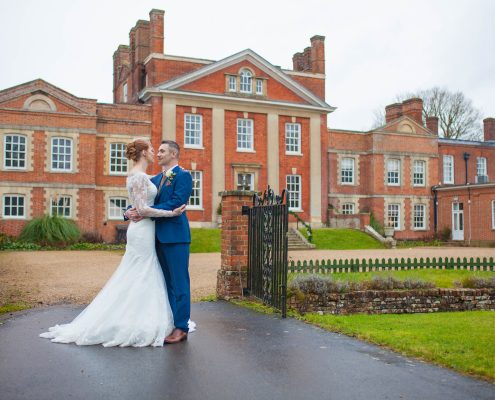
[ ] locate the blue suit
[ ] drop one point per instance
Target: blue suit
(173, 239)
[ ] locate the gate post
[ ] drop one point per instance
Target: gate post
(232, 276)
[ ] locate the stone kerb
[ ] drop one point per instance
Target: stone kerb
(232, 276)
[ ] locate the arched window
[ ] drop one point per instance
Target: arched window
(246, 81)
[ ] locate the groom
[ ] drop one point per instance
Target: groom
(173, 237)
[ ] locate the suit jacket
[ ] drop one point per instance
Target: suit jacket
(174, 193)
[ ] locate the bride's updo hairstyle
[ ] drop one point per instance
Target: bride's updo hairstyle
(133, 150)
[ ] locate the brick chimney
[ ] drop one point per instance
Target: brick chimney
(312, 59)
(156, 31)
(318, 54)
(489, 129)
(393, 112)
(413, 108)
(121, 60)
(432, 124)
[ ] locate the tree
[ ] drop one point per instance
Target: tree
(457, 117)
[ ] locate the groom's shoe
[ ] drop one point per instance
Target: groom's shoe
(176, 336)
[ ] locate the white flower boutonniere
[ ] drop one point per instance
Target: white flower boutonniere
(170, 175)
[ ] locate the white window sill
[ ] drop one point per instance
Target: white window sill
(194, 208)
(117, 173)
(245, 151)
(420, 186)
(11, 218)
(14, 169)
(290, 153)
(347, 184)
(194, 147)
(297, 210)
(62, 171)
(393, 184)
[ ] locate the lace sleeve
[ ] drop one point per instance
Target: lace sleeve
(138, 193)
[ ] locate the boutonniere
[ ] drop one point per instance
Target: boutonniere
(170, 177)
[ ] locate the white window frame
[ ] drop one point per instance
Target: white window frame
(348, 209)
(391, 178)
(419, 174)
(114, 212)
(448, 166)
(232, 81)
(493, 214)
(390, 210)
(124, 92)
(251, 180)
(347, 179)
(245, 134)
(11, 207)
(18, 152)
(197, 182)
(259, 86)
(246, 81)
(293, 138)
(294, 196)
(195, 130)
(55, 202)
(481, 166)
(421, 213)
(71, 147)
(118, 148)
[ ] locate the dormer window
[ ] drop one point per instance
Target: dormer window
(246, 81)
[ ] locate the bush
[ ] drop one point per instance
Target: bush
(50, 231)
(445, 233)
(473, 282)
(316, 284)
(91, 237)
(376, 225)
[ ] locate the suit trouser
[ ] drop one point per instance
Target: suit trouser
(174, 260)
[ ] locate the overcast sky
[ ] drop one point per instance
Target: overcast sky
(374, 49)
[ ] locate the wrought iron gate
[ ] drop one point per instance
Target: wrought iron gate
(267, 249)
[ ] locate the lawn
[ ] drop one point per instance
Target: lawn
(205, 240)
(342, 239)
(459, 340)
(441, 278)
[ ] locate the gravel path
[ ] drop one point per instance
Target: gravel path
(53, 277)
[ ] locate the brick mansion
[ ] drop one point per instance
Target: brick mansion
(242, 124)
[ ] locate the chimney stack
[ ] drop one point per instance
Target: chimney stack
(156, 31)
(432, 124)
(393, 112)
(413, 108)
(312, 59)
(489, 129)
(318, 54)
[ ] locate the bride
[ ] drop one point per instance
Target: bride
(133, 308)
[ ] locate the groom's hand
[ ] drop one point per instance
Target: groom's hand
(133, 215)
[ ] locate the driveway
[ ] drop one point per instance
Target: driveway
(235, 354)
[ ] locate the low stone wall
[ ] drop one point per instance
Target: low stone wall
(394, 301)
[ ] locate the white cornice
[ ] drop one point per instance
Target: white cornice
(255, 59)
(468, 186)
(229, 100)
(161, 56)
(304, 74)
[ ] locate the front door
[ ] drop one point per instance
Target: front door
(457, 221)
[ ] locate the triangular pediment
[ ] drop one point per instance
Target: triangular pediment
(288, 90)
(404, 125)
(39, 95)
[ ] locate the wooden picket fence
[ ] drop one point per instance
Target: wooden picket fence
(357, 265)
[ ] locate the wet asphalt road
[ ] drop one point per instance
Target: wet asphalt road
(235, 354)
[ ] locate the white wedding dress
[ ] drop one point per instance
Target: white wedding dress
(132, 309)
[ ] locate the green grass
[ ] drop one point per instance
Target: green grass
(254, 305)
(205, 240)
(12, 307)
(342, 239)
(441, 278)
(459, 340)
